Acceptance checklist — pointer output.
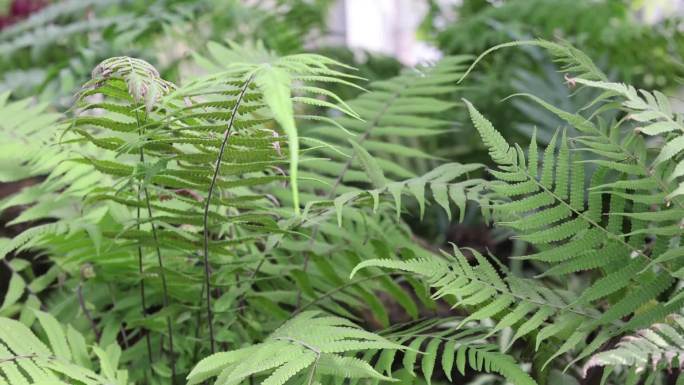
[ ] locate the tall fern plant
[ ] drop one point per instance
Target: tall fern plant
(189, 162)
(603, 206)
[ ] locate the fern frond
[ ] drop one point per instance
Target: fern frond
(310, 340)
(25, 359)
(545, 214)
(459, 349)
(275, 78)
(572, 59)
(657, 347)
(375, 150)
(512, 301)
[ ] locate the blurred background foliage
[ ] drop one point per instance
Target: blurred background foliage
(611, 32)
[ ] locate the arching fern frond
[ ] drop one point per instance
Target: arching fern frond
(310, 346)
(443, 183)
(523, 304)
(25, 359)
(275, 77)
(659, 347)
(571, 59)
(436, 348)
(376, 153)
(547, 205)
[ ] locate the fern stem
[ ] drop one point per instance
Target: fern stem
(22, 357)
(141, 271)
(86, 312)
(207, 203)
(162, 273)
(122, 330)
(165, 290)
(312, 373)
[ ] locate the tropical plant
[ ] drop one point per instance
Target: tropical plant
(614, 213)
(248, 225)
(26, 359)
(184, 206)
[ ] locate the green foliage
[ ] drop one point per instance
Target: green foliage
(155, 152)
(245, 223)
(25, 359)
(50, 52)
(610, 211)
(308, 341)
(518, 303)
(605, 29)
(376, 150)
(655, 348)
(436, 348)
(32, 133)
(617, 34)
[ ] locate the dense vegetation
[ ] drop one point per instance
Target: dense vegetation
(242, 212)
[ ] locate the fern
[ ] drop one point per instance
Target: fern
(25, 359)
(632, 243)
(274, 76)
(376, 150)
(655, 348)
(308, 341)
(459, 349)
(553, 210)
(514, 302)
(253, 211)
(145, 117)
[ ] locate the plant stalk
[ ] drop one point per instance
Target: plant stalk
(207, 203)
(162, 273)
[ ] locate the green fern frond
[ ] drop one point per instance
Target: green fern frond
(571, 59)
(437, 348)
(310, 340)
(514, 302)
(25, 359)
(567, 227)
(375, 151)
(657, 347)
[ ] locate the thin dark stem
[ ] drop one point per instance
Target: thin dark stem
(195, 352)
(86, 312)
(22, 357)
(162, 272)
(141, 269)
(148, 342)
(122, 330)
(165, 290)
(207, 203)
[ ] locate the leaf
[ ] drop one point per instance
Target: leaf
(275, 84)
(14, 291)
(55, 335)
(429, 358)
(306, 339)
(370, 165)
